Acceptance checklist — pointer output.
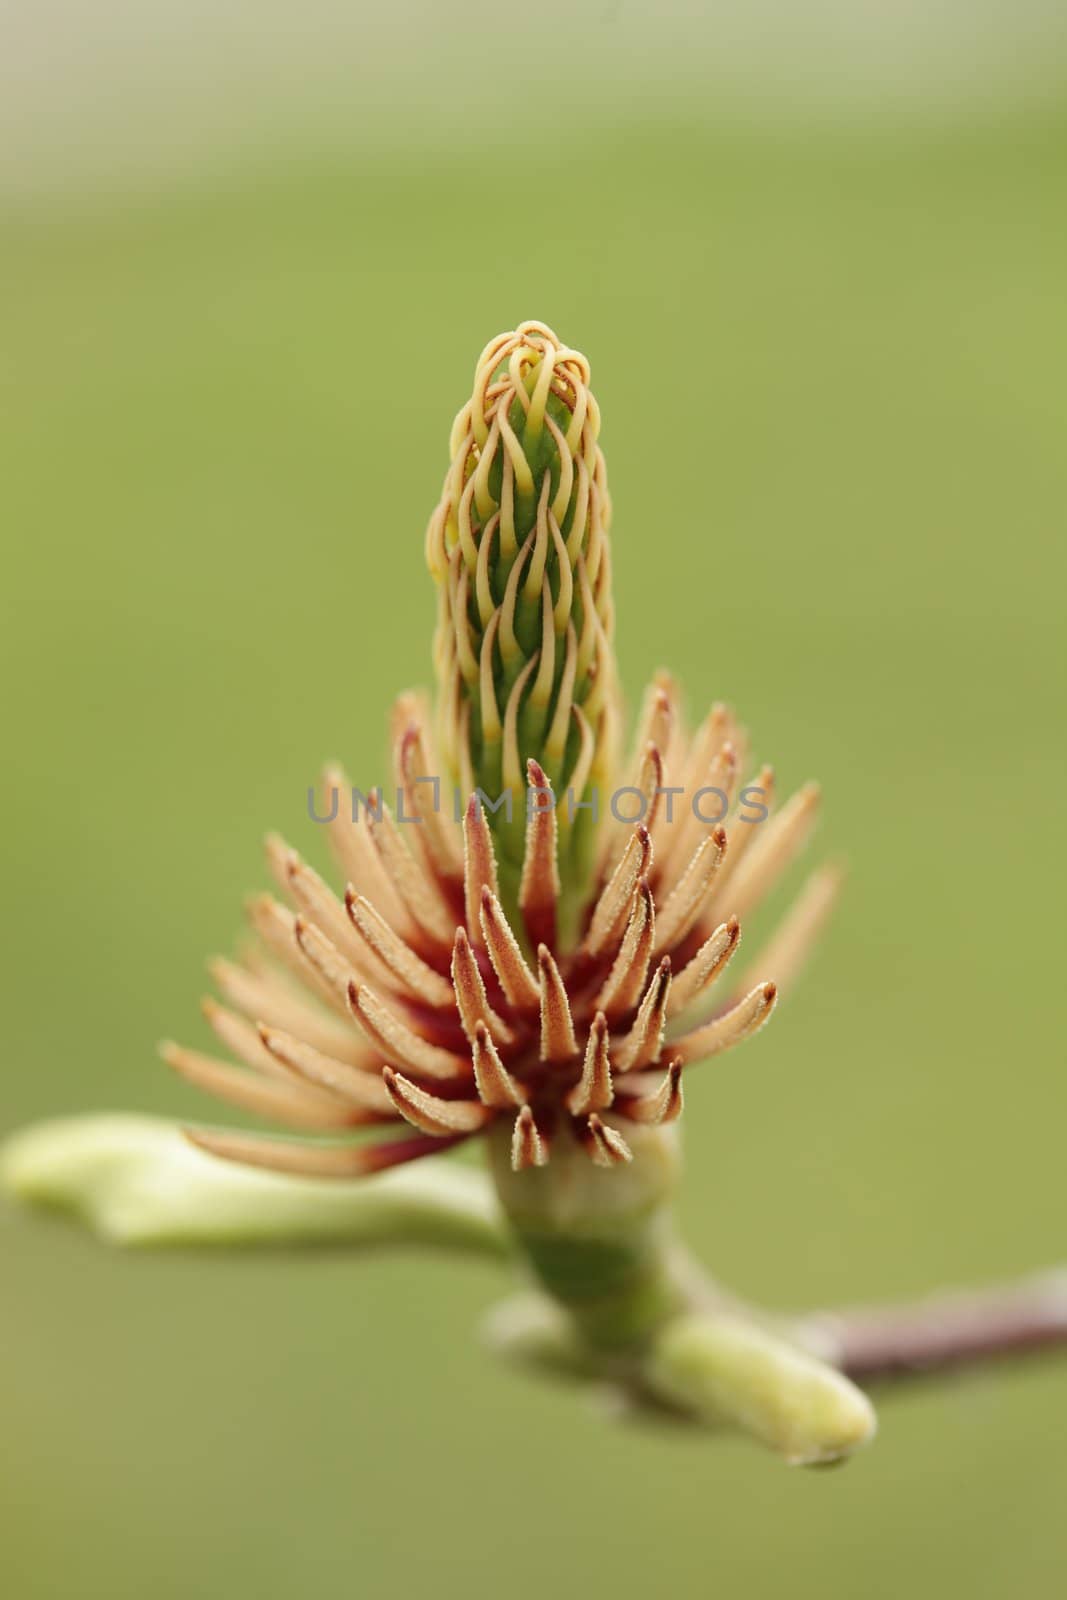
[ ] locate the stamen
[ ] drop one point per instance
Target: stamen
(558, 1042)
(528, 1147)
(264, 999)
(647, 780)
(419, 892)
(496, 1086)
(360, 862)
(791, 945)
(399, 958)
(780, 840)
(618, 892)
(642, 1045)
(479, 867)
(743, 830)
(419, 774)
(606, 1146)
(240, 1036)
(539, 887)
(429, 1112)
(656, 723)
(700, 973)
(663, 1104)
(517, 981)
(740, 1022)
(687, 900)
(326, 960)
(400, 1043)
(594, 1091)
(470, 996)
(720, 775)
(275, 925)
(315, 1160)
(279, 855)
(327, 913)
(359, 1086)
(264, 1097)
(625, 981)
(718, 727)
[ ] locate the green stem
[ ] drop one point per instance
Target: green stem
(599, 1242)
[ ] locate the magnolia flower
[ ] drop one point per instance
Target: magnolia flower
(528, 974)
(538, 967)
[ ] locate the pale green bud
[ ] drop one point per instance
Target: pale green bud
(728, 1369)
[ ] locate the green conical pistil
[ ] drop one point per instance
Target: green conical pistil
(519, 543)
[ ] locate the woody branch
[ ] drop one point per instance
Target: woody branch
(944, 1332)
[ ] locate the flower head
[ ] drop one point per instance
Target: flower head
(480, 974)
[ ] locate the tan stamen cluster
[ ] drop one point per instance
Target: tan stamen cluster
(413, 997)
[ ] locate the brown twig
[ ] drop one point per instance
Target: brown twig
(946, 1331)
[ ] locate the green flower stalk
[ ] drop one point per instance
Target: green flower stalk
(541, 978)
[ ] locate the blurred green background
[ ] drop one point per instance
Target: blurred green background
(829, 351)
